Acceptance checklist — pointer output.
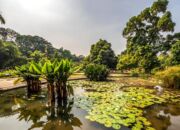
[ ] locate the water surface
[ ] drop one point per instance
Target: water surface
(20, 112)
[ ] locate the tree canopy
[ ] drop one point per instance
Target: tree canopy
(9, 55)
(175, 53)
(34, 47)
(148, 34)
(102, 53)
(29, 44)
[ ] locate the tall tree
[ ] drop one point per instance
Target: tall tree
(29, 44)
(9, 55)
(149, 26)
(147, 32)
(102, 53)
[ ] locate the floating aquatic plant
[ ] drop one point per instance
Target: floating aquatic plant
(112, 106)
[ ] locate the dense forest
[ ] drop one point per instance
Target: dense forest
(18, 49)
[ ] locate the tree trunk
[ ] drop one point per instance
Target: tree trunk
(52, 93)
(65, 94)
(28, 86)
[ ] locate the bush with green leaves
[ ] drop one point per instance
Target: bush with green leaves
(63, 70)
(102, 53)
(134, 73)
(30, 73)
(96, 72)
(7, 73)
(170, 77)
(57, 73)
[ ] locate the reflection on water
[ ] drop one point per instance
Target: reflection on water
(17, 112)
(164, 117)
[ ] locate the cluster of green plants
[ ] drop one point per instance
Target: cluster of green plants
(135, 72)
(115, 107)
(96, 72)
(7, 73)
(170, 77)
(30, 73)
(10, 55)
(56, 73)
(93, 86)
(102, 53)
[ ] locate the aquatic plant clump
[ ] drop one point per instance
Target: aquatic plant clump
(121, 108)
(30, 73)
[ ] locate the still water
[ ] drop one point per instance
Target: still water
(18, 112)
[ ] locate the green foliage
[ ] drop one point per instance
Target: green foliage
(145, 37)
(164, 60)
(126, 61)
(37, 56)
(7, 73)
(66, 54)
(33, 48)
(112, 106)
(29, 44)
(57, 74)
(146, 58)
(175, 53)
(48, 71)
(146, 27)
(135, 73)
(170, 77)
(101, 53)
(57, 71)
(96, 72)
(63, 70)
(10, 55)
(29, 71)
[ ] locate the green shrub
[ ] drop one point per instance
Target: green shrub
(96, 72)
(134, 73)
(7, 73)
(170, 77)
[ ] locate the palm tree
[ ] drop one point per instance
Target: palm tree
(2, 19)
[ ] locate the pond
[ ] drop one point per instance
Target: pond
(85, 110)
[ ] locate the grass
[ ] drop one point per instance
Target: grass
(170, 77)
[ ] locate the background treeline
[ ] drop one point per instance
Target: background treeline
(152, 45)
(17, 49)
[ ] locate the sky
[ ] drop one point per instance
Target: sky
(77, 24)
